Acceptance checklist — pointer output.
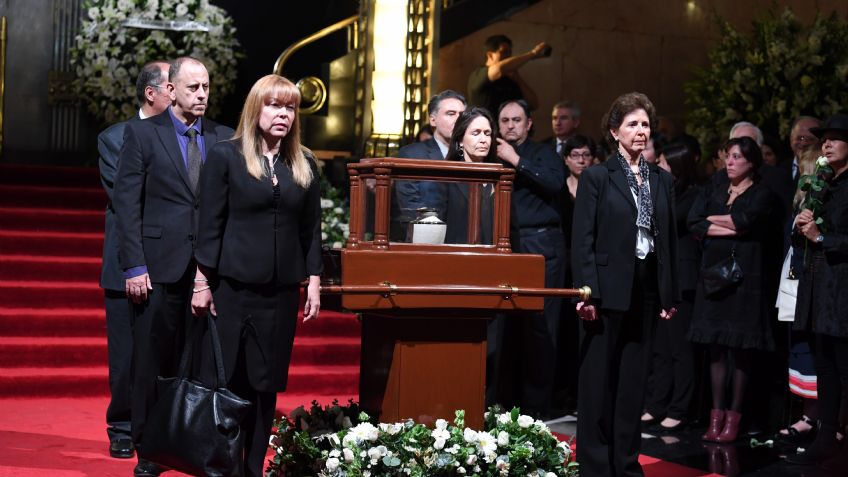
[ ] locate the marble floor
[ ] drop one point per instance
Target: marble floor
(739, 459)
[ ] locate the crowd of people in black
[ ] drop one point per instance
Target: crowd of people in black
(682, 250)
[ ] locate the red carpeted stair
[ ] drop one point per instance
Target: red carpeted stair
(52, 324)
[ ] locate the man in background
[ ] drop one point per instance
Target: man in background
(535, 223)
(443, 108)
(153, 98)
(565, 119)
(498, 80)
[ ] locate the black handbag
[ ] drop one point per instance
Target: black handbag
(195, 429)
(723, 275)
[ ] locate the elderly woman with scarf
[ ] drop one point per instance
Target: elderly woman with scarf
(624, 248)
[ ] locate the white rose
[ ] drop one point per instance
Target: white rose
(338, 210)
(337, 245)
(550, 474)
(504, 418)
(471, 460)
(93, 13)
(326, 203)
(439, 444)
(503, 438)
(470, 435)
(374, 455)
(182, 10)
(441, 424)
(525, 421)
(332, 464)
(335, 453)
(821, 161)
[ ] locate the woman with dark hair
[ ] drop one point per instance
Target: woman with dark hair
(471, 141)
(735, 218)
(259, 236)
(822, 306)
(671, 382)
(624, 247)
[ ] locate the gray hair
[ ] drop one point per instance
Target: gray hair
(574, 107)
(436, 100)
(150, 75)
(758, 134)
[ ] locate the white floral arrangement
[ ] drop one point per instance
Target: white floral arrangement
(512, 445)
(117, 37)
(335, 227)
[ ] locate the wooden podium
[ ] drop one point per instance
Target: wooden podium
(425, 307)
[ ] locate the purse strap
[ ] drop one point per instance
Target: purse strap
(185, 359)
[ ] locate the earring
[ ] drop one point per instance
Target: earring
(460, 152)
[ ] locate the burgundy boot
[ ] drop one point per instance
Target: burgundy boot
(731, 427)
(716, 425)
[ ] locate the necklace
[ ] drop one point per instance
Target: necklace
(273, 163)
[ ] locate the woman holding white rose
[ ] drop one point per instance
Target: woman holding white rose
(822, 305)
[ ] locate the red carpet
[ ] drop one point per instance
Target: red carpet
(53, 370)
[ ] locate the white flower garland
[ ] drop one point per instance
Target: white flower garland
(108, 55)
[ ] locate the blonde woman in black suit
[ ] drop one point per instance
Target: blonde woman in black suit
(624, 246)
(259, 236)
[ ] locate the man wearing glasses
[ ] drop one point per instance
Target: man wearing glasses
(152, 96)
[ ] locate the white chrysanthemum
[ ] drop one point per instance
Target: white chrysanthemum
(486, 444)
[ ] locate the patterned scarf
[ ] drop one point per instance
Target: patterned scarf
(645, 216)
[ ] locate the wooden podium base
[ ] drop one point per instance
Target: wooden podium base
(423, 368)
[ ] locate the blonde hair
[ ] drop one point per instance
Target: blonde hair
(267, 88)
(806, 166)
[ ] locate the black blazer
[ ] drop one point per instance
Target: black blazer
(153, 200)
(417, 194)
(245, 234)
(109, 146)
(456, 216)
(603, 243)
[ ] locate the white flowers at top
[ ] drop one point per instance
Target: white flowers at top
(504, 418)
(333, 464)
(470, 435)
(440, 434)
(326, 203)
(821, 161)
(525, 421)
(503, 438)
(361, 433)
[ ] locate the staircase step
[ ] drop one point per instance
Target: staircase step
(55, 244)
(52, 220)
(45, 322)
(41, 267)
(53, 197)
(94, 381)
(23, 174)
(331, 323)
(21, 294)
(58, 352)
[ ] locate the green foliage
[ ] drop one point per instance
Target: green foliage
(334, 216)
(511, 445)
(781, 70)
(107, 56)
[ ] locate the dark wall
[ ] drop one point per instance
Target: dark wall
(267, 27)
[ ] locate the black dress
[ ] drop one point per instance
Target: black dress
(738, 317)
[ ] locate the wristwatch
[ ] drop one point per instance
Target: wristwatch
(820, 238)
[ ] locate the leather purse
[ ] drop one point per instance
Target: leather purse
(723, 275)
(193, 428)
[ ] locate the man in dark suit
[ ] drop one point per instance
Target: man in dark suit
(443, 108)
(565, 119)
(535, 223)
(156, 204)
(153, 98)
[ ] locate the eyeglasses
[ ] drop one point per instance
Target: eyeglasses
(578, 155)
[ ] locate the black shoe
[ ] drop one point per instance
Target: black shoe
(145, 468)
(122, 448)
(821, 450)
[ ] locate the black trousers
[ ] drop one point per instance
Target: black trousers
(672, 377)
(119, 340)
(523, 349)
(159, 336)
(615, 352)
(257, 424)
(831, 359)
